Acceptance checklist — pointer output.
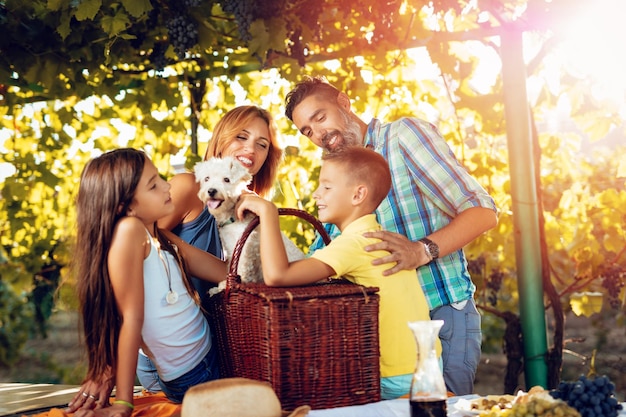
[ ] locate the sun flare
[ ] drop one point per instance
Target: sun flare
(593, 46)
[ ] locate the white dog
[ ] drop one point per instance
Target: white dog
(222, 180)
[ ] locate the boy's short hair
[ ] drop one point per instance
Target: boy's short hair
(366, 166)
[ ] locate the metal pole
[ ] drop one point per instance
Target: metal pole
(525, 209)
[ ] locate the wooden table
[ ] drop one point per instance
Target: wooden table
(17, 399)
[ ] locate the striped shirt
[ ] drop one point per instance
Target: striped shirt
(429, 188)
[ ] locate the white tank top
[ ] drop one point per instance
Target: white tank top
(175, 336)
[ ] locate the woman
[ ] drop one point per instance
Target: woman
(247, 133)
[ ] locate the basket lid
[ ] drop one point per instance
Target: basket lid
(327, 289)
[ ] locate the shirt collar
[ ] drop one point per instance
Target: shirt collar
(373, 132)
(367, 223)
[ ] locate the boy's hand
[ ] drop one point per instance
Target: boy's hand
(254, 204)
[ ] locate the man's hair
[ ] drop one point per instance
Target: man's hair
(364, 166)
(309, 86)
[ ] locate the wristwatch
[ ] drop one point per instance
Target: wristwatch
(431, 248)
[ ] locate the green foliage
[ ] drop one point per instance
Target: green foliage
(81, 77)
(16, 320)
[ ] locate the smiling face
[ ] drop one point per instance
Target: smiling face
(151, 200)
(334, 196)
(328, 123)
(251, 145)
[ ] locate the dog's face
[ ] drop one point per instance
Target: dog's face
(222, 180)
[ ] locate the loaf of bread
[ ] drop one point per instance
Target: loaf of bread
(231, 397)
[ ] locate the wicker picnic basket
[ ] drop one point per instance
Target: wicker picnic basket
(316, 345)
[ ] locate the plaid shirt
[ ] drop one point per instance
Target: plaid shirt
(429, 188)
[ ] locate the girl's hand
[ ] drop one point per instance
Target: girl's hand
(115, 410)
(92, 394)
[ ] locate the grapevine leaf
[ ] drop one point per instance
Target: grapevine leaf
(87, 9)
(266, 35)
(64, 28)
(596, 125)
(614, 240)
(586, 303)
(55, 5)
(115, 24)
(260, 37)
(137, 8)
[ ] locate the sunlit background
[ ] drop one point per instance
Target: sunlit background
(591, 47)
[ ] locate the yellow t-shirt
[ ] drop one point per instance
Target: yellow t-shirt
(401, 296)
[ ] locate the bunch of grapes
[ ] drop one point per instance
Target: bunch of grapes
(192, 3)
(614, 279)
(476, 266)
(538, 406)
(158, 58)
(592, 397)
(182, 33)
(494, 283)
(243, 10)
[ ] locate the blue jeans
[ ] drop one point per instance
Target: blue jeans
(461, 339)
(206, 370)
(147, 374)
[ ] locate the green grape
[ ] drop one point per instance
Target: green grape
(536, 406)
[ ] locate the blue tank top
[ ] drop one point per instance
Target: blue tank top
(201, 232)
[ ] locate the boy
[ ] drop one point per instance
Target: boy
(352, 183)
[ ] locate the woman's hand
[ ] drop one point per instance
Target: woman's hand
(93, 394)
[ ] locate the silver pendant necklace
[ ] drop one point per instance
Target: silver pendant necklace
(172, 296)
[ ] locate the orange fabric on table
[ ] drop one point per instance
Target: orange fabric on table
(153, 405)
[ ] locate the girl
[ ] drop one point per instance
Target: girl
(133, 290)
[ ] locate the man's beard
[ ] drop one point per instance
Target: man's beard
(351, 134)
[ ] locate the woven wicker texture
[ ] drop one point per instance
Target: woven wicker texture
(316, 345)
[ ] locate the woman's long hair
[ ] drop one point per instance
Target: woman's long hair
(226, 131)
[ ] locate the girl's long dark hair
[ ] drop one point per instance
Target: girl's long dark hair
(107, 187)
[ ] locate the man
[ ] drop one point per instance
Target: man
(433, 209)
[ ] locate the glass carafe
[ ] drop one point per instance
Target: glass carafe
(428, 389)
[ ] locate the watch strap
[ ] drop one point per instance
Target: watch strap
(431, 248)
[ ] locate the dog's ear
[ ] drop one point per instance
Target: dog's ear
(197, 169)
(247, 177)
(242, 172)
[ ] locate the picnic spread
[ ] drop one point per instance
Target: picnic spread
(32, 399)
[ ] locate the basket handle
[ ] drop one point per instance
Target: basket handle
(319, 227)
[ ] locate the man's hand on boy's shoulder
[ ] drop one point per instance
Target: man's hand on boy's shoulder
(403, 253)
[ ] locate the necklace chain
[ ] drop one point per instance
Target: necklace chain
(172, 296)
